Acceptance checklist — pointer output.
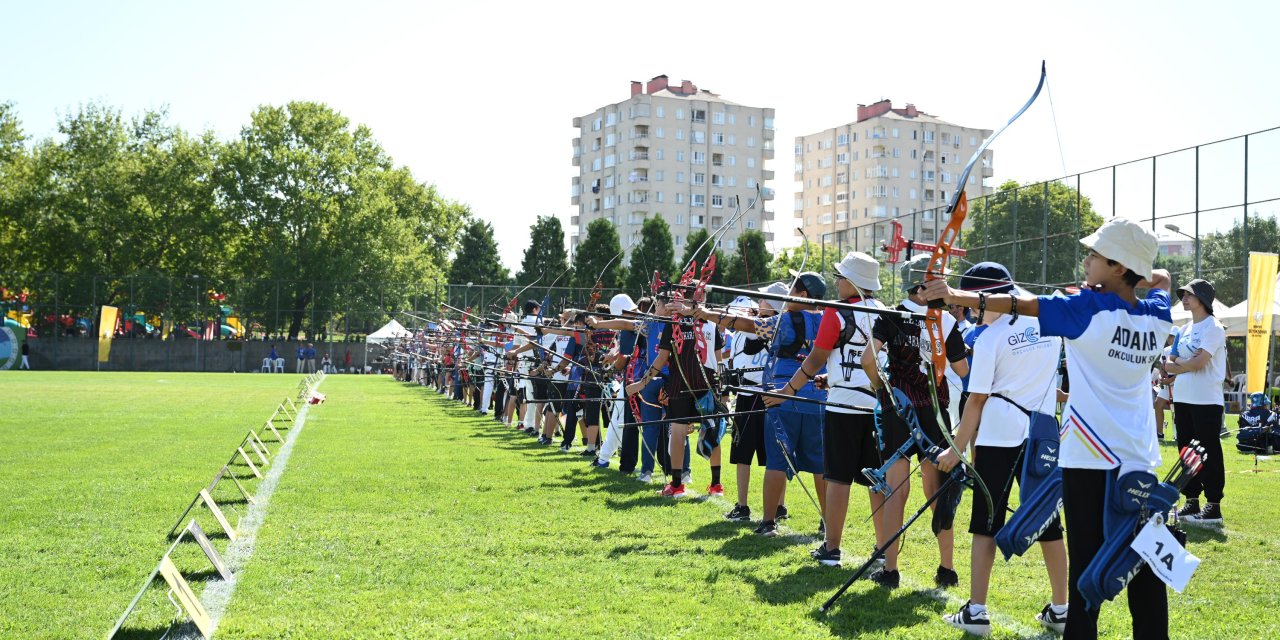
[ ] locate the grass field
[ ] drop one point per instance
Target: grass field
(403, 515)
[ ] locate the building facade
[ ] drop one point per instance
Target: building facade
(889, 163)
(672, 151)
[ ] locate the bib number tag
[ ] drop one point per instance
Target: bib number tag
(1169, 560)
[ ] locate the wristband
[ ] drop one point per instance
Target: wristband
(982, 306)
(1013, 309)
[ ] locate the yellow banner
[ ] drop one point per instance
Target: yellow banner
(106, 329)
(1262, 288)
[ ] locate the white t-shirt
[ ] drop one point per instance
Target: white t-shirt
(1203, 386)
(740, 360)
(1015, 361)
(709, 359)
(1110, 347)
(559, 344)
(847, 383)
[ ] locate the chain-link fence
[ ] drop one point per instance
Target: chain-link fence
(1206, 204)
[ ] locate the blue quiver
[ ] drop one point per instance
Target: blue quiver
(712, 430)
(1039, 489)
(1131, 500)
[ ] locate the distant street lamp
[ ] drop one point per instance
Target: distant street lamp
(1174, 228)
(466, 299)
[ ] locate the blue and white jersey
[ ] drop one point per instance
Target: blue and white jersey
(1012, 359)
(1110, 348)
(780, 331)
(739, 359)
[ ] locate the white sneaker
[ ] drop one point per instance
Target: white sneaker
(686, 478)
(645, 478)
(970, 621)
(1052, 620)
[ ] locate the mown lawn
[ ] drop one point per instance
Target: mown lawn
(405, 515)
(94, 469)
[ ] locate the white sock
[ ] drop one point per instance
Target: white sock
(976, 608)
(1059, 609)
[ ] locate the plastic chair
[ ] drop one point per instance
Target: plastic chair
(279, 365)
(266, 365)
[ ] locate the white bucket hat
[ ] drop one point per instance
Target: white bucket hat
(779, 289)
(860, 269)
(1126, 242)
(743, 302)
(621, 302)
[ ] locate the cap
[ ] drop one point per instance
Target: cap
(743, 302)
(621, 302)
(1203, 291)
(860, 269)
(987, 277)
(1126, 242)
(911, 273)
(812, 283)
(778, 289)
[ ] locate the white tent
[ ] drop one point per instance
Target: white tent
(1181, 316)
(1236, 319)
(388, 332)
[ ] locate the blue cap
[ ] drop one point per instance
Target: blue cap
(1259, 400)
(987, 277)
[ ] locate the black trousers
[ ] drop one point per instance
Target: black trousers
(1202, 422)
(630, 450)
(1082, 506)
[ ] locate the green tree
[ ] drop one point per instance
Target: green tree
(749, 264)
(477, 259)
(795, 258)
(1033, 230)
(654, 253)
(318, 201)
(545, 256)
(1225, 256)
(600, 248)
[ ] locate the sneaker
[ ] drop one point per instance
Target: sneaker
(740, 513)
(543, 440)
(520, 425)
(822, 548)
(827, 557)
(782, 513)
(530, 431)
(946, 578)
(768, 529)
(1191, 508)
(878, 563)
(587, 452)
(645, 478)
(822, 528)
(686, 477)
(600, 464)
(886, 579)
(969, 621)
(672, 491)
(1052, 620)
(565, 448)
(1210, 515)
(715, 490)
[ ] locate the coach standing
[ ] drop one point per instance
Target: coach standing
(1199, 363)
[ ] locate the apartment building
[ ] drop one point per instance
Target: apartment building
(674, 151)
(888, 163)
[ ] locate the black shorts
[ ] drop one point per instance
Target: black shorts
(589, 405)
(539, 391)
(558, 395)
(896, 431)
(848, 447)
(999, 468)
(748, 431)
(682, 408)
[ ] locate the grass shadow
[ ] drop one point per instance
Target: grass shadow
(1205, 534)
(873, 610)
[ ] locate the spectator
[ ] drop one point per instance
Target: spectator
(325, 364)
(1199, 364)
(311, 358)
(26, 351)
(302, 358)
(1258, 429)
(273, 355)
(346, 366)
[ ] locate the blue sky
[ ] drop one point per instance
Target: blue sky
(1128, 80)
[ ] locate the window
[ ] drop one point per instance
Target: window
(751, 224)
(717, 180)
(928, 137)
(679, 198)
(679, 241)
(946, 138)
(897, 153)
(717, 139)
(751, 183)
(973, 142)
(680, 176)
(842, 216)
(679, 218)
(679, 156)
(679, 114)
(843, 158)
(825, 181)
(914, 135)
(608, 202)
(911, 194)
(595, 164)
(928, 175)
(894, 172)
(913, 174)
(717, 201)
(697, 200)
(657, 196)
(733, 119)
(595, 144)
(799, 167)
(595, 124)
(733, 161)
(894, 191)
(659, 175)
(751, 141)
(751, 162)
(662, 113)
(842, 196)
(699, 115)
(699, 178)
(824, 163)
(608, 181)
(717, 117)
(717, 159)
(913, 154)
(658, 133)
(659, 154)
(799, 203)
(825, 199)
(946, 177)
(610, 160)
(699, 136)
(842, 139)
(799, 149)
(880, 211)
(611, 140)
(895, 132)
(733, 140)
(699, 157)
(679, 134)
(842, 178)
(733, 182)
(825, 218)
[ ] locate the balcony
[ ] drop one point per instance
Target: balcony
(767, 193)
(577, 123)
(573, 221)
(987, 171)
(767, 174)
(768, 236)
(638, 155)
(768, 214)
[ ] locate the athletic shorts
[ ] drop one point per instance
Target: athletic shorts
(589, 404)
(748, 431)
(896, 431)
(800, 434)
(848, 447)
(683, 407)
(558, 395)
(999, 468)
(539, 391)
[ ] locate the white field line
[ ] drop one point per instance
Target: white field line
(218, 594)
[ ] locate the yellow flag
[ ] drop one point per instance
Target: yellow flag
(1262, 287)
(106, 329)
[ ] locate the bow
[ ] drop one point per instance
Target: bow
(957, 209)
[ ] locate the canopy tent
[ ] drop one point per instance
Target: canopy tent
(387, 333)
(1236, 319)
(1181, 316)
